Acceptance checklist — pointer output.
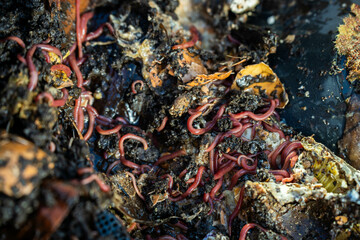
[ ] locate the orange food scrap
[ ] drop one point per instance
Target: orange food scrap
(260, 78)
(205, 79)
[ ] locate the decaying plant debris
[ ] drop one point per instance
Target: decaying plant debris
(130, 120)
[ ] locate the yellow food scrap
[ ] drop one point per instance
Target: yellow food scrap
(260, 79)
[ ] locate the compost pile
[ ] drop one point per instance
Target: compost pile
(132, 121)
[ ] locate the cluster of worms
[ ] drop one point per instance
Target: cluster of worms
(231, 163)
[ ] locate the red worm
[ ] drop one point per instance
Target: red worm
(91, 123)
(214, 143)
(212, 161)
(124, 162)
(131, 227)
(241, 132)
(130, 136)
(166, 237)
(216, 188)
(78, 28)
(135, 186)
(16, 39)
(61, 102)
(262, 117)
(211, 206)
(243, 161)
(48, 96)
(75, 68)
(249, 226)
(225, 169)
(192, 187)
(80, 62)
(99, 31)
(181, 225)
(289, 159)
(279, 174)
(274, 129)
(208, 126)
(76, 110)
(32, 69)
(162, 159)
(133, 90)
(171, 181)
(289, 148)
(61, 67)
(181, 237)
(201, 108)
(183, 172)
(52, 146)
(83, 25)
(273, 155)
(92, 177)
(194, 38)
(238, 175)
(162, 125)
(109, 131)
(237, 208)
(289, 179)
(21, 59)
(80, 123)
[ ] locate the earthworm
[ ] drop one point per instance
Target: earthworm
(16, 39)
(80, 62)
(99, 31)
(279, 174)
(194, 38)
(256, 117)
(21, 59)
(192, 187)
(133, 90)
(78, 28)
(273, 155)
(242, 160)
(200, 108)
(171, 181)
(131, 227)
(84, 19)
(183, 172)
(181, 237)
(238, 175)
(124, 162)
(52, 146)
(181, 225)
(237, 208)
(108, 131)
(80, 115)
(288, 160)
(135, 186)
(241, 132)
(289, 148)
(249, 226)
(164, 158)
(34, 76)
(92, 177)
(130, 136)
(211, 206)
(75, 68)
(214, 143)
(212, 161)
(61, 67)
(225, 169)
(48, 96)
(163, 124)
(233, 40)
(61, 102)
(289, 179)
(216, 188)
(166, 237)
(273, 129)
(91, 123)
(209, 125)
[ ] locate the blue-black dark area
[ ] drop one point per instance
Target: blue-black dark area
(309, 66)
